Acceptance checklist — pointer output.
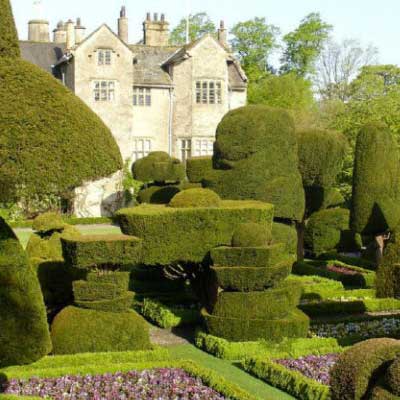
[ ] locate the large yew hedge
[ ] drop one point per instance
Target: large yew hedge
(50, 141)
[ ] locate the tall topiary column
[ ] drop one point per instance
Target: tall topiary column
(102, 318)
(249, 298)
(375, 206)
(24, 334)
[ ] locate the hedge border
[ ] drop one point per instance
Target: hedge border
(209, 378)
(292, 382)
(68, 220)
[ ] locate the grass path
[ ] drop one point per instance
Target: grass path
(230, 372)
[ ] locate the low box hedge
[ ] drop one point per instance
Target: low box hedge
(259, 257)
(119, 304)
(188, 234)
(250, 278)
(288, 348)
(120, 279)
(169, 316)
(292, 382)
(295, 324)
(90, 251)
(271, 304)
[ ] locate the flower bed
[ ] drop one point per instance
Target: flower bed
(163, 383)
(313, 367)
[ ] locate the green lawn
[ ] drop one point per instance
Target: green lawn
(230, 372)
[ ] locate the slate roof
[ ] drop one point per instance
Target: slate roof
(44, 55)
(147, 66)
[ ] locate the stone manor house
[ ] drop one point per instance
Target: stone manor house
(152, 96)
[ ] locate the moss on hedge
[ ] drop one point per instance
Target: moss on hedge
(24, 335)
(255, 157)
(49, 132)
(195, 198)
(77, 330)
(375, 207)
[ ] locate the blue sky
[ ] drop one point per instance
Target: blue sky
(367, 20)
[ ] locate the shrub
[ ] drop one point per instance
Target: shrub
(157, 194)
(255, 157)
(90, 251)
(295, 324)
(158, 167)
(9, 46)
(251, 235)
(48, 222)
(352, 375)
(375, 195)
(287, 234)
(24, 335)
(388, 273)
(195, 198)
(393, 377)
(118, 279)
(120, 304)
(325, 228)
(77, 330)
(166, 316)
(199, 169)
(188, 234)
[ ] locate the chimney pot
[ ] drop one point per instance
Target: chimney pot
(162, 17)
(123, 25)
(78, 22)
(155, 17)
(222, 24)
(70, 35)
(148, 17)
(123, 12)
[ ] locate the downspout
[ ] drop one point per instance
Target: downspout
(170, 120)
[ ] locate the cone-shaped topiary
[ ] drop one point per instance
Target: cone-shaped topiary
(24, 334)
(375, 203)
(255, 157)
(50, 140)
(9, 46)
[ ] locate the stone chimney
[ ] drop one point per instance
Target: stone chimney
(60, 33)
(223, 34)
(156, 31)
(123, 25)
(38, 30)
(70, 35)
(80, 31)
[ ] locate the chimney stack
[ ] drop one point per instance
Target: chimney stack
(123, 26)
(223, 34)
(80, 31)
(156, 31)
(70, 35)
(38, 30)
(60, 33)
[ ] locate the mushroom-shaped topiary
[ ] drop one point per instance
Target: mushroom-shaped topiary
(196, 198)
(158, 167)
(251, 235)
(51, 142)
(48, 222)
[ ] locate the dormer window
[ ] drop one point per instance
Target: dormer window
(104, 57)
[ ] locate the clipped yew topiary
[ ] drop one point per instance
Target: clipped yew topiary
(388, 273)
(255, 157)
(251, 235)
(195, 198)
(24, 334)
(393, 377)
(375, 206)
(50, 140)
(362, 367)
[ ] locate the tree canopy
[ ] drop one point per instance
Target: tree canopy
(199, 23)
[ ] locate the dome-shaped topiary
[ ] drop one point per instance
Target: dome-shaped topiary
(255, 157)
(251, 235)
(24, 334)
(47, 222)
(159, 167)
(50, 140)
(195, 198)
(356, 369)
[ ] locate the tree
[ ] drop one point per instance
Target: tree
(304, 45)
(339, 64)
(253, 42)
(199, 24)
(375, 210)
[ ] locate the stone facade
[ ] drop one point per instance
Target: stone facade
(152, 96)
